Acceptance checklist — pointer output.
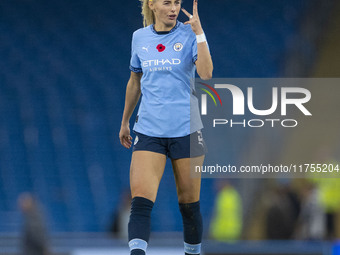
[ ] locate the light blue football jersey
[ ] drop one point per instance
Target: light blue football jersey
(168, 106)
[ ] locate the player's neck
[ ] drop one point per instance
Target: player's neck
(161, 27)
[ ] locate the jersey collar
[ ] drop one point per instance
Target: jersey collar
(165, 32)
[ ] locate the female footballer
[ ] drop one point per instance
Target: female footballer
(165, 54)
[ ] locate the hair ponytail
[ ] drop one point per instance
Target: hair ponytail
(148, 16)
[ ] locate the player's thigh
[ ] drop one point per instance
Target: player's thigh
(146, 172)
(188, 186)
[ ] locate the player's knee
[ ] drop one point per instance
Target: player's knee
(187, 197)
(144, 189)
(140, 192)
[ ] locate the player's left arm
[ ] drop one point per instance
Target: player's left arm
(204, 64)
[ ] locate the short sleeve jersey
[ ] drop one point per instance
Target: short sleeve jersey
(168, 106)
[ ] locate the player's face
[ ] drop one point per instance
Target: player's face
(166, 11)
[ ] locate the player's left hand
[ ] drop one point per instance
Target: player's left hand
(194, 19)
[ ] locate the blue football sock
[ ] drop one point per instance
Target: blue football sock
(140, 225)
(192, 226)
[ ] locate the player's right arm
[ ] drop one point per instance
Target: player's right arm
(133, 92)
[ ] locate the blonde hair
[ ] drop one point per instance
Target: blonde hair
(147, 13)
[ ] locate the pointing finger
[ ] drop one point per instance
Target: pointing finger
(194, 8)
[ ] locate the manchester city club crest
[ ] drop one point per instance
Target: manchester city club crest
(178, 47)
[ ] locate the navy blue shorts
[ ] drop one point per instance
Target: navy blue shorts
(189, 146)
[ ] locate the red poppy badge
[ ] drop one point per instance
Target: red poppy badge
(160, 47)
